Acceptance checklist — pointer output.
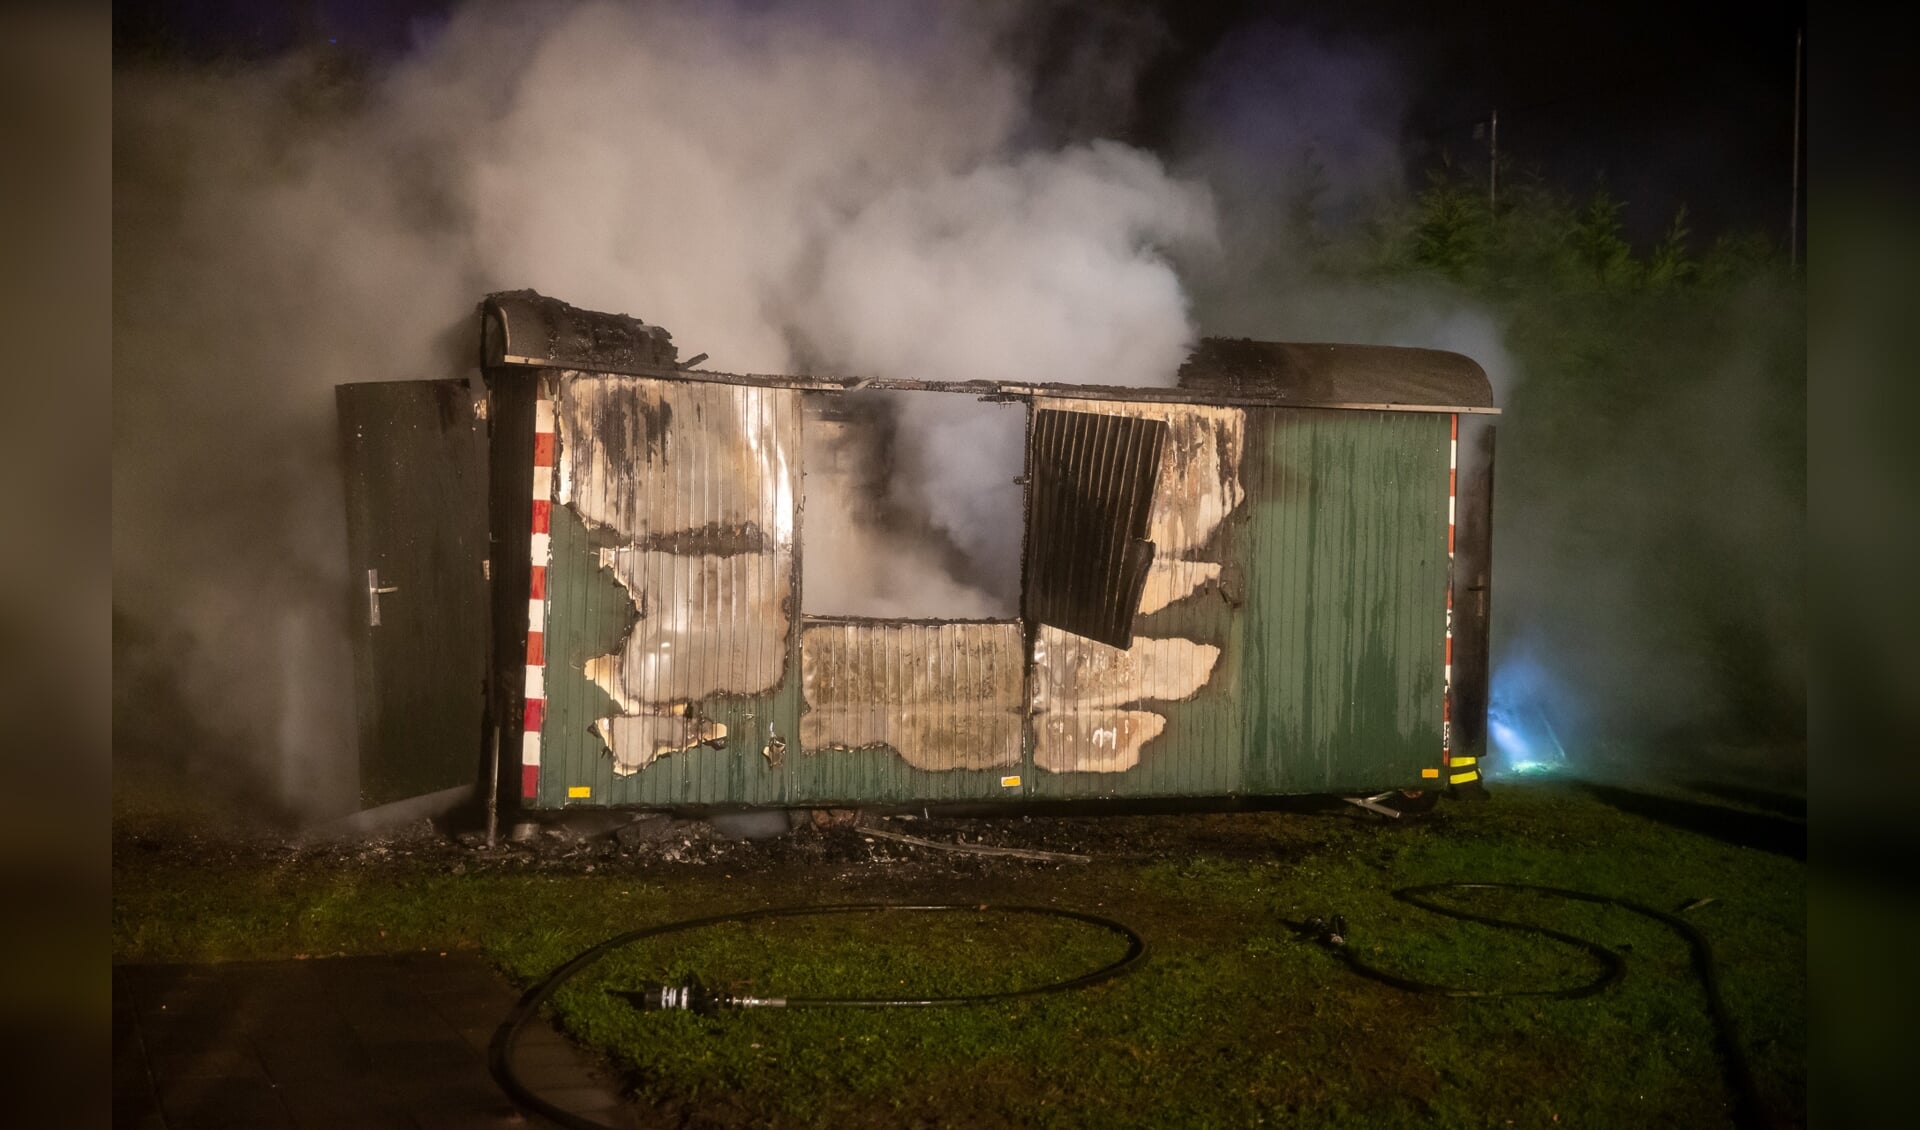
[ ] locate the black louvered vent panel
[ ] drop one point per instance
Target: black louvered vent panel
(1092, 480)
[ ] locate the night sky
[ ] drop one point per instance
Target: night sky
(1666, 103)
(1670, 102)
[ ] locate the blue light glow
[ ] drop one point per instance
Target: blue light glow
(1521, 734)
(1508, 741)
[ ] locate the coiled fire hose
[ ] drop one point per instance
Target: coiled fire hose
(1749, 1109)
(694, 997)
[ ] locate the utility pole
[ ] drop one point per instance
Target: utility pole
(1493, 165)
(1793, 212)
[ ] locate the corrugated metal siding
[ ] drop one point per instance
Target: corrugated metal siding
(1346, 586)
(1161, 718)
(671, 593)
(1290, 637)
(909, 710)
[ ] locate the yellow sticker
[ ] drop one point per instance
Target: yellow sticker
(1009, 782)
(1430, 774)
(580, 791)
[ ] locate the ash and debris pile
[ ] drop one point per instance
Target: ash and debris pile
(853, 841)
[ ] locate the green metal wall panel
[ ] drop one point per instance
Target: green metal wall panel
(900, 711)
(1182, 675)
(1305, 622)
(850, 777)
(670, 579)
(1347, 587)
(1199, 752)
(589, 614)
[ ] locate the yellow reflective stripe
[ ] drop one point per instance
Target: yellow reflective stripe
(1459, 761)
(1463, 778)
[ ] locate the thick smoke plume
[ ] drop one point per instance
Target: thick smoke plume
(834, 187)
(1042, 269)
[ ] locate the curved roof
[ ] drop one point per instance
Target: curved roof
(521, 327)
(1320, 373)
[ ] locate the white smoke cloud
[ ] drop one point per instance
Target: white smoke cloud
(684, 163)
(843, 180)
(1050, 268)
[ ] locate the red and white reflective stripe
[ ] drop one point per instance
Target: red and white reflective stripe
(1446, 683)
(540, 552)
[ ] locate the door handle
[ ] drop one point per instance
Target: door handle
(374, 589)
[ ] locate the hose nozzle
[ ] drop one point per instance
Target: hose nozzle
(688, 996)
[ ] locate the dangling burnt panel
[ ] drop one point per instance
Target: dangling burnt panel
(1092, 483)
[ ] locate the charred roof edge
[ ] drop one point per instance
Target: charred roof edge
(524, 328)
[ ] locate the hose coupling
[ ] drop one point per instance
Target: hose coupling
(688, 996)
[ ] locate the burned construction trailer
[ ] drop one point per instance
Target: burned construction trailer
(1252, 582)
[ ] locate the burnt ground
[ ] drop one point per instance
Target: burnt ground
(837, 841)
(816, 841)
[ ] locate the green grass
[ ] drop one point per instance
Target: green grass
(1234, 1021)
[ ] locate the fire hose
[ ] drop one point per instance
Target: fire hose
(1749, 1109)
(692, 996)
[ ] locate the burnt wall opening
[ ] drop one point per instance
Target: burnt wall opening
(912, 506)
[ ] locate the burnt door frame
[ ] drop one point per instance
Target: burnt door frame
(1471, 592)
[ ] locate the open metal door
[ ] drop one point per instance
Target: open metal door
(415, 457)
(1091, 481)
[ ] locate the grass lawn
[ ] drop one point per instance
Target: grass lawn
(1234, 1021)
